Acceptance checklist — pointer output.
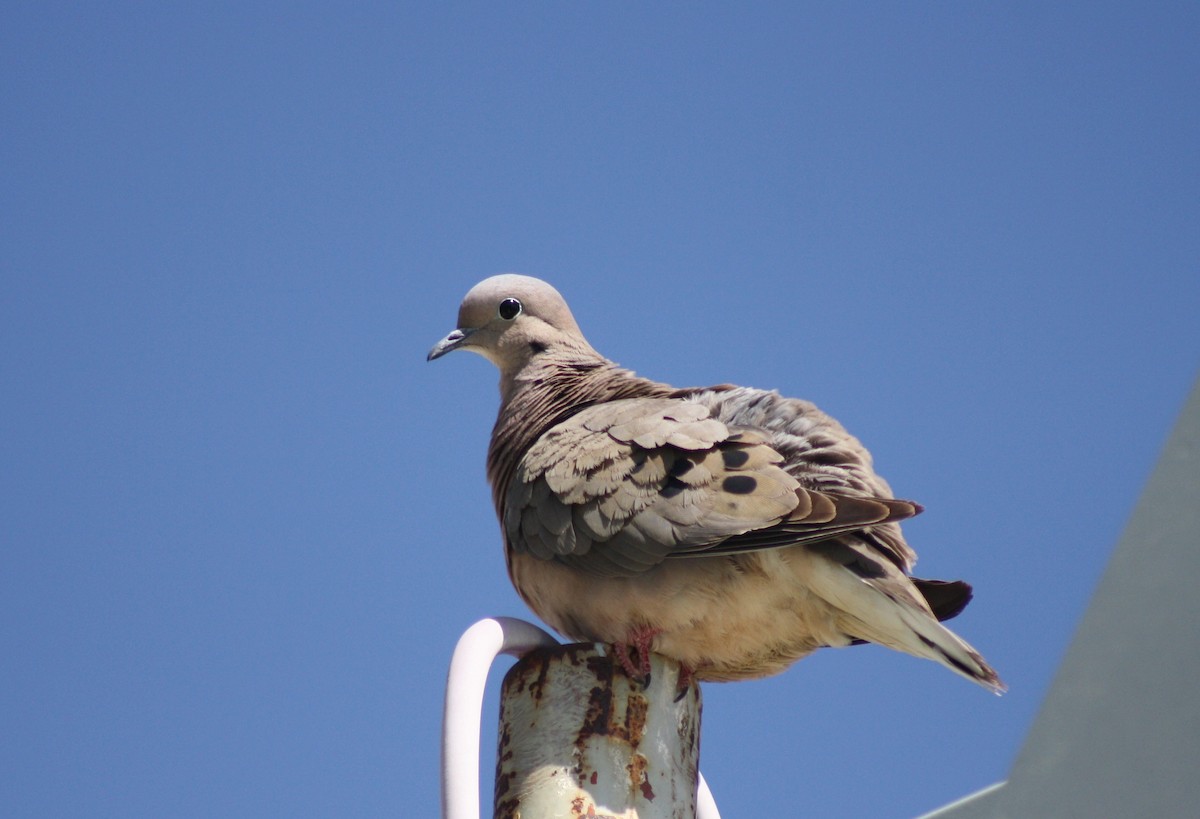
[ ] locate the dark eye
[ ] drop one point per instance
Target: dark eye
(509, 309)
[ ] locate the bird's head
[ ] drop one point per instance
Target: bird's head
(511, 319)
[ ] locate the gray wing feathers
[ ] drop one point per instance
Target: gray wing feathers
(621, 486)
(818, 452)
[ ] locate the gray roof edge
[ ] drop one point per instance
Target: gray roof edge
(978, 805)
(1118, 732)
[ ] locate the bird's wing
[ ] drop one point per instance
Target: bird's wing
(622, 486)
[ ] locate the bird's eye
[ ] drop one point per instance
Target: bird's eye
(509, 309)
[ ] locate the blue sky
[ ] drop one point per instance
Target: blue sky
(244, 522)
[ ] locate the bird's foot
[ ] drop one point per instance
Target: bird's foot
(638, 639)
(685, 681)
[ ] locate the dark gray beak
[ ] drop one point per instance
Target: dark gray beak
(448, 344)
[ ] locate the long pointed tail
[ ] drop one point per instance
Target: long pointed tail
(938, 643)
(890, 609)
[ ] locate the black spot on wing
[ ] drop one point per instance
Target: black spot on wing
(734, 457)
(672, 487)
(682, 466)
(639, 462)
(739, 484)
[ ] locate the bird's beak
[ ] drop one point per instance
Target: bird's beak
(449, 343)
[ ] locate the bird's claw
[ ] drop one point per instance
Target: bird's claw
(685, 682)
(639, 639)
(639, 672)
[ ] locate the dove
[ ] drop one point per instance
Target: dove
(729, 528)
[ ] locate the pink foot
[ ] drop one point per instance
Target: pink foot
(685, 681)
(639, 639)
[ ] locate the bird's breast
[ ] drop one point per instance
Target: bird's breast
(727, 618)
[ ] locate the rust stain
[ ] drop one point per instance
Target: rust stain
(571, 653)
(604, 717)
(509, 809)
(503, 754)
(503, 783)
(647, 791)
(689, 728)
(637, 776)
(504, 751)
(597, 715)
(543, 659)
(636, 709)
(602, 668)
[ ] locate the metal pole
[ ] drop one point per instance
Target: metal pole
(579, 738)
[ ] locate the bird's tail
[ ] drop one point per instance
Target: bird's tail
(889, 610)
(923, 636)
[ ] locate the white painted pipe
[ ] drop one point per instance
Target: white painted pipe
(578, 737)
(476, 650)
